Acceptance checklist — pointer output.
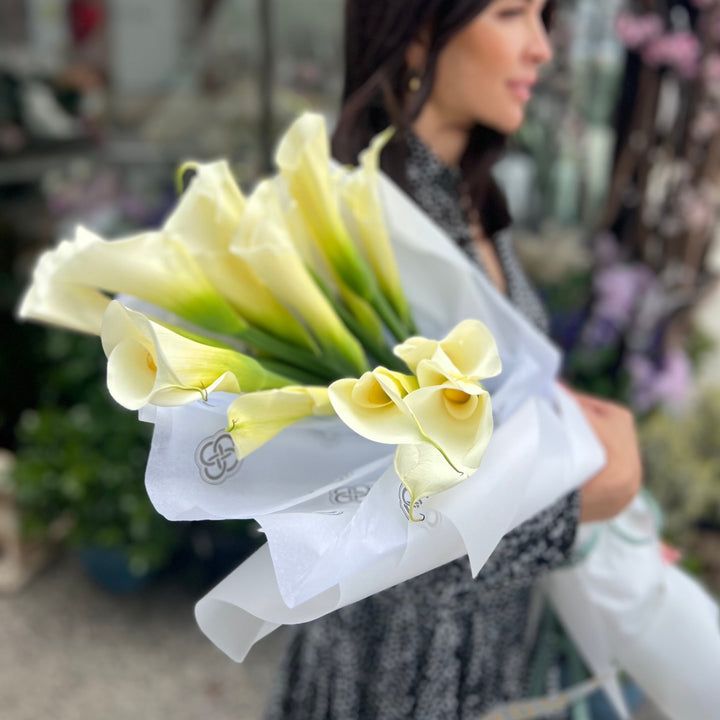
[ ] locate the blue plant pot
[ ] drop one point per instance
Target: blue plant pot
(109, 568)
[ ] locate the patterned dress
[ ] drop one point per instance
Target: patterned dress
(442, 646)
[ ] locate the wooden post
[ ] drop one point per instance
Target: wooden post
(266, 83)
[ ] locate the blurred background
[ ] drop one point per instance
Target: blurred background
(614, 184)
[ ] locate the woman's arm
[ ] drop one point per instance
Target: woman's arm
(545, 541)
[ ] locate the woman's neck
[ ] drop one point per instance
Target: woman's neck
(447, 142)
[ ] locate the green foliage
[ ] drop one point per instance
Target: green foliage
(81, 456)
(681, 455)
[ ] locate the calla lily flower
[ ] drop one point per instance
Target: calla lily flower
(264, 243)
(70, 282)
(468, 353)
(254, 418)
(361, 199)
(374, 406)
(457, 422)
(303, 157)
(150, 364)
(458, 427)
(206, 218)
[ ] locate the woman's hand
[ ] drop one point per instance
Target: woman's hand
(613, 488)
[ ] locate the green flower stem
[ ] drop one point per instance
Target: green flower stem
(383, 308)
(291, 354)
(293, 374)
(379, 352)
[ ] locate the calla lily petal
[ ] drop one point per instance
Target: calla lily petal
(153, 266)
(361, 200)
(424, 471)
(468, 350)
(457, 423)
(254, 418)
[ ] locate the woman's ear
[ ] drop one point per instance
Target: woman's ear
(417, 51)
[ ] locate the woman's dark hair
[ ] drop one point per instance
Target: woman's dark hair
(377, 35)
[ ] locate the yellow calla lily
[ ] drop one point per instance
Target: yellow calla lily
(205, 219)
(468, 352)
(150, 364)
(254, 418)
(70, 282)
(457, 426)
(303, 157)
(361, 199)
(374, 406)
(263, 242)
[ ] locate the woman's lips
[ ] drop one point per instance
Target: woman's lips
(521, 89)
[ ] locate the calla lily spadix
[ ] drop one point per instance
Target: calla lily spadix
(70, 282)
(149, 363)
(206, 218)
(265, 245)
(254, 418)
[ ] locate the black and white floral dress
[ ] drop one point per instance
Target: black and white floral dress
(442, 646)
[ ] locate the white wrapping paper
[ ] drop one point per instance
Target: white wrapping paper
(333, 509)
(625, 607)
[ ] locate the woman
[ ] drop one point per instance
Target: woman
(453, 77)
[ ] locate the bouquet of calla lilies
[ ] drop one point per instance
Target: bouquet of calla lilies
(271, 342)
(289, 298)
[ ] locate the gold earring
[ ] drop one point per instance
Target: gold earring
(414, 82)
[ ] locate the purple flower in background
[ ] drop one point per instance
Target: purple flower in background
(635, 31)
(670, 384)
(680, 50)
(617, 289)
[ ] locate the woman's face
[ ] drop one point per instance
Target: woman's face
(486, 72)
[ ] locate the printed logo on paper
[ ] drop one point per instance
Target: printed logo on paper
(216, 459)
(348, 495)
(430, 517)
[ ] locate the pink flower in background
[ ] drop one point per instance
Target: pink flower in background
(711, 69)
(696, 210)
(680, 50)
(705, 125)
(635, 31)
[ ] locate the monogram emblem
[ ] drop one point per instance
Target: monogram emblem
(216, 459)
(346, 495)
